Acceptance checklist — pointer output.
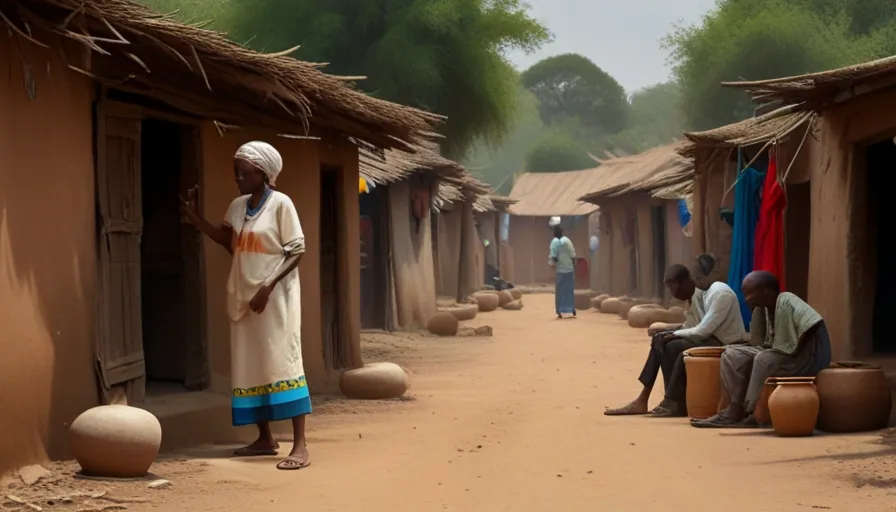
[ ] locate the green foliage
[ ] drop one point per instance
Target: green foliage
(760, 39)
(556, 151)
(445, 56)
(656, 119)
(571, 87)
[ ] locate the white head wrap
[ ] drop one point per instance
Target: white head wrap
(263, 156)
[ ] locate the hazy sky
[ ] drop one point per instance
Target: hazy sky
(622, 37)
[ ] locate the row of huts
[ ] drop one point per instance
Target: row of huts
(110, 112)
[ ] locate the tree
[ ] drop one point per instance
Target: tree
(656, 119)
(445, 56)
(557, 152)
(572, 87)
(760, 39)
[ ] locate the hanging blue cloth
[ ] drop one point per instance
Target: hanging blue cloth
(684, 216)
(747, 202)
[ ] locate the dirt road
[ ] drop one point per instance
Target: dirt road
(514, 422)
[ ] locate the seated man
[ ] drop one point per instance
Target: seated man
(787, 339)
(714, 319)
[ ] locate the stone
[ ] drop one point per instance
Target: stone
(488, 301)
(442, 324)
(159, 484)
(115, 441)
(374, 381)
(582, 300)
(462, 312)
(32, 474)
(517, 293)
(504, 297)
(516, 305)
(485, 330)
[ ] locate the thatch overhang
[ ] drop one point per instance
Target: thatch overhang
(658, 169)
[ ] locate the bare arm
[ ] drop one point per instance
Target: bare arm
(221, 234)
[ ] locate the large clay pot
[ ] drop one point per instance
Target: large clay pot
(760, 412)
(375, 381)
(658, 327)
(582, 300)
(442, 324)
(610, 306)
(597, 301)
(115, 441)
(793, 407)
(515, 305)
(854, 397)
(516, 293)
(704, 388)
(488, 301)
(626, 309)
(504, 297)
(642, 316)
(462, 312)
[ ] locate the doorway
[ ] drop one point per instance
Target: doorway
(797, 225)
(332, 287)
(881, 229)
(373, 259)
(658, 222)
(170, 260)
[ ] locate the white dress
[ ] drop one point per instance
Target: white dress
(266, 349)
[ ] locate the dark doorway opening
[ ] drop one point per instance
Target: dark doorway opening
(797, 224)
(374, 259)
(658, 222)
(171, 286)
(881, 229)
(331, 286)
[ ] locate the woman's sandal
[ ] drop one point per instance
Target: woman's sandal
(292, 463)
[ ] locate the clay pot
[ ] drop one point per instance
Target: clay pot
(643, 316)
(704, 387)
(625, 309)
(582, 300)
(516, 293)
(596, 301)
(442, 324)
(115, 441)
(658, 327)
(375, 381)
(793, 407)
(462, 312)
(504, 297)
(516, 305)
(488, 301)
(760, 412)
(854, 397)
(610, 306)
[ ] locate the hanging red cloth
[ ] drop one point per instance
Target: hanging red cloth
(768, 248)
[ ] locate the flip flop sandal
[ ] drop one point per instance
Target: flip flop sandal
(248, 452)
(292, 463)
(626, 410)
(715, 423)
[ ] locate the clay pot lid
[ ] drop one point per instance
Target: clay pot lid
(789, 380)
(854, 365)
(704, 352)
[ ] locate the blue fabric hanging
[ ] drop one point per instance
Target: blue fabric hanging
(684, 216)
(747, 201)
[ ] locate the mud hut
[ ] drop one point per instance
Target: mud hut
(640, 233)
(138, 108)
(492, 220)
(848, 227)
(540, 196)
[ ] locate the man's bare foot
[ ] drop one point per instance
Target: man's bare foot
(298, 458)
(633, 409)
(261, 447)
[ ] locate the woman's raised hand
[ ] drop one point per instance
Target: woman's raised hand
(189, 207)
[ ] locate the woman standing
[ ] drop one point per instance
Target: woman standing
(262, 231)
(562, 259)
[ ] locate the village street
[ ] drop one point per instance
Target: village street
(514, 422)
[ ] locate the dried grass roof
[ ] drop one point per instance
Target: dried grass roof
(544, 194)
(816, 87)
(755, 130)
(658, 168)
(132, 48)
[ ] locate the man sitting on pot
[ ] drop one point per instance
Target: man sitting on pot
(787, 339)
(714, 319)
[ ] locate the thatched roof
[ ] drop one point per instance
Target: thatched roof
(755, 130)
(200, 72)
(817, 88)
(654, 169)
(544, 194)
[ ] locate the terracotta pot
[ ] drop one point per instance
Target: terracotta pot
(504, 297)
(704, 388)
(610, 306)
(596, 301)
(488, 301)
(442, 324)
(462, 312)
(115, 441)
(760, 412)
(375, 381)
(624, 308)
(582, 300)
(640, 317)
(516, 293)
(793, 407)
(854, 397)
(515, 305)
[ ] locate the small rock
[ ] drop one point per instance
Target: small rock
(159, 484)
(485, 330)
(30, 475)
